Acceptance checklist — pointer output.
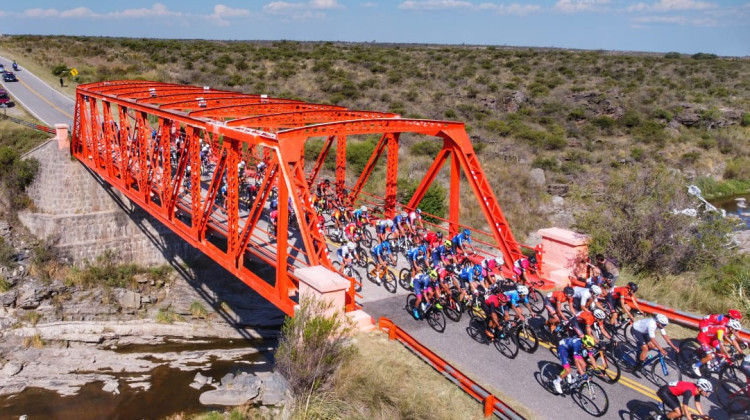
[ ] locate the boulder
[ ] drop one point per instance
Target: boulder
(112, 386)
(199, 380)
(130, 300)
(228, 397)
(537, 177)
(8, 299)
(558, 189)
(227, 380)
(274, 390)
(12, 368)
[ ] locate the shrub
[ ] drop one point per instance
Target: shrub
(312, 346)
(4, 284)
(432, 203)
(60, 70)
(197, 310)
(34, 341)
(637, 153)
(745, 122)
(672, 55)
(704, 56)
(7, 253)
(499, 127)
(738, 168)
(426, 148)
(546, 163)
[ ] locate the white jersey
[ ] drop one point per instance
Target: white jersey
(582, 294)
(647, 326)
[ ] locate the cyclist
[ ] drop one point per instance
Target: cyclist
(516, 297)
(381, 229)
(573, 347)
(339, 217)
(438, 255)
(712, 338)
(416, 258)
(616, 301)
(421, 283)
(400, 221)
(720, 319)
(644, 332)
(493, 303)
(380, 252)
(345, 254)
(670, 392)
(460, 241)
(586, 297)
(351, 233)
(360, 216)
(274, 216)
(433, 239)
(583, 322)
(553, 303)
(489, 265)
(522, 265)
(414, 219)
(469, 279)
(324, 187)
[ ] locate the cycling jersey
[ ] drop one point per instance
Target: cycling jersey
(712, 333)
(358, 214)
(567, 348)
(466, 276)
(437, 253)
(342, 253)
(459, 240)
(379, 252)
(431, 238)
(350, 229)
(421, 283)
(489, 264)
(274, 204)
(621, 291)
(581, 295)
(380, 227)
(556, 297)
(714, 319)
(684, 389)
(514, 298)
(398, 219)
(582, 320)
(493, 303)
(647, 327)
(413, 217)
(274, 215)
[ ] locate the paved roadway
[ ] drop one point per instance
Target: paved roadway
(517, 378)
(45, 103)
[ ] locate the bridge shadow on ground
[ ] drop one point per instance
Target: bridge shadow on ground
(232, 300)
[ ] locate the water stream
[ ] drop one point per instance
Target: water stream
(169, 394)
(731, 205)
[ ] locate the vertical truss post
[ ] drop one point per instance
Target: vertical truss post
(194, 161)
(340, 163)
(93, 132)
(391, 176)
(125, 156)
(455, 194)
(282, 277)
(108, 138)
(232, 202)
(142, 134)
(165, 136)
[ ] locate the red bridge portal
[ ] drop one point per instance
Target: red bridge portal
(144, 138)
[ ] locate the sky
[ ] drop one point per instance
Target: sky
(685, 26)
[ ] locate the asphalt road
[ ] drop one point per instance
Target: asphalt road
(517, 378)
(41, 100)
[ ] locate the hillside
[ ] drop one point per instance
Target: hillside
(610, 131)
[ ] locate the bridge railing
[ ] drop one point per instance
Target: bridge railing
(491, 403)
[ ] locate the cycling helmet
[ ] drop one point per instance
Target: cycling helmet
(433, 274)
(735, 314)
(327, 182)
(588, 341)
(419, 211)
(705, 385)
(450, 268)
(569, 291)
(342, 208)
(448, 243)
(499, 260)
(662, 319)
(532, 259)
(467, 232)
(596, 290)
(522, 290)
(386, 245)
(478, 270)
(351, 246)
(734, 324)
(599, 314)
(389, 223)
(633, 287)
(404, 214)
(363, 209)
(439, 235)
(495, 289)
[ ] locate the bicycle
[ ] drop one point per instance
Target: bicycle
(526, 337)
(734, 396)
(503, 338)
(725, 366)
(452, 305)
(384, 277)
(653, 411)
(435, 317)
(350, 272)
(605, 368)
(586, 393)
(662, 369)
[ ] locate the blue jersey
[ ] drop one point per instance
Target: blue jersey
(467, 274)
(421, 282)
(514, 298)
(380, 227)
(398, 220)
(412, 253)
(380, 251)
(437, 253)
(567, 348)
(460, 240)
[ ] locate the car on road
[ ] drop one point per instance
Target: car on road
(4, 98)
(9, 76)
(2, 68)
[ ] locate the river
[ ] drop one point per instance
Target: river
(730, 204)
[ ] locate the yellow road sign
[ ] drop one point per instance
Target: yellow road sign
(73, 72)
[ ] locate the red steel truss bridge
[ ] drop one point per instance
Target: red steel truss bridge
(144, 138)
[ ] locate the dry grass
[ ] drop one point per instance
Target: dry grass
(34, 341)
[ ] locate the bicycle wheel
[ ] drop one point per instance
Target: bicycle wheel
(549, 372)
(689, 354)
(476, 312)
(625, 355)
(411, 300)
(644, 411)
(404, 279)
(389, 281)
(361, 258)
(452, 310)
(608, 371)
(592, 398)
(436, 319)
(358, 280)
(728, 390)
(336, 266)
(371, 268)
(732, 371)
(662, 374)
(527, 339)
(506, 344)
(536, 301)
(366, 238)
(476, 331)
(739, 405)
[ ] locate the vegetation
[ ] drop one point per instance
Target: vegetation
(108, 271)
(198, 311)
(16, 174)
(34, 341)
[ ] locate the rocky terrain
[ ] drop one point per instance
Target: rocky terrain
(59, 336)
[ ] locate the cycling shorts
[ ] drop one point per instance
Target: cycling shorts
(419, 288)
(612, 303)
(564, 353)
(668, 398)
(641, 339)
(550, 308)
(708, 344)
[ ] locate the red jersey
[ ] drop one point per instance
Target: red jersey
(557, 297)
(494, 301)
(431, 238)
(714, 319)
(586, 318)
(621, 291)
(712, 332)
(682, 387)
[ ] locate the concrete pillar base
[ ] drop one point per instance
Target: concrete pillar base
(362, 321)
(322, 283)
(562, 249)
(61, 134)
